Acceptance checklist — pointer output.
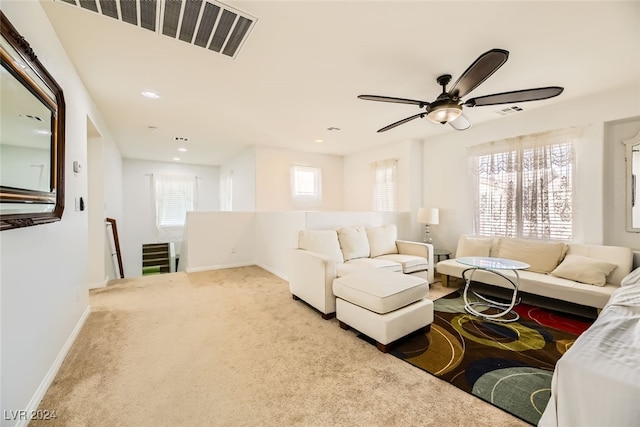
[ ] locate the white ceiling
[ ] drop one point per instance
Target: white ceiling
(304, 63)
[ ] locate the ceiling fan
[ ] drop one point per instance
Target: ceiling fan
(447, 108)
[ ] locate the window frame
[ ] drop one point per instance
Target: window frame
(539, 171)
(310, 198)
(161, 199)
(384, 192)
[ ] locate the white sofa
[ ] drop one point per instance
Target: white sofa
(323, 255)
(578, 273)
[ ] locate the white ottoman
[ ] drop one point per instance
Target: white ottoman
(383, 305)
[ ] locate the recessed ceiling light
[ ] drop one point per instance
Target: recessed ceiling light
(319, 141)
(182, 149)
(150, 94)
(177, 159)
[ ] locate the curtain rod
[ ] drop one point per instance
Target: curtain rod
(150, 174)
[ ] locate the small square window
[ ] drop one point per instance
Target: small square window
(306, 184)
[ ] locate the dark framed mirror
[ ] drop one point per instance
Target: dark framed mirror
(632, 159)
(32, 123)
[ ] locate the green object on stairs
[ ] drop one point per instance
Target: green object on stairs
(147, 271)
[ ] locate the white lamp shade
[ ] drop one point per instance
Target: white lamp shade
(429, 216)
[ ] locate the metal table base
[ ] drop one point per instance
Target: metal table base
(505, 308)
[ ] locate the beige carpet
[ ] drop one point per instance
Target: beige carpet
(231, 347)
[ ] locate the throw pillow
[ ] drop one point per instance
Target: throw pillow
(324, 242)
(382, 240)
(473, 246)
(584, 270)
(542, 256)
(353, 242)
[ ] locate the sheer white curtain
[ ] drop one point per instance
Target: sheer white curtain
(384, 185)
(174, 196)
(524, 186)
(226, 192)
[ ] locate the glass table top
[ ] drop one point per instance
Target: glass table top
(492, 263)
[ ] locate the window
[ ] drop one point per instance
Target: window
(524, 186)
(306, 185)
(383, 179)
(175, 195)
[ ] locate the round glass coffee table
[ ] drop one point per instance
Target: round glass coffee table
(492, 265)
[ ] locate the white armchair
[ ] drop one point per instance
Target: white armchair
(323, 255)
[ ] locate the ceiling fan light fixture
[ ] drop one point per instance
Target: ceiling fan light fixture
(444, 111)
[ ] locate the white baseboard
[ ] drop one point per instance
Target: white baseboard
(218, 266)
(274, 272)
(53, 370)
(97, 285)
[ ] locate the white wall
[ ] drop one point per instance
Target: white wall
(113, 196)
(96, 268)
(357, 185)
(243, 169)
(138, 224)
(44, 297)
(25, 167)
(615, 232)
(447, 183)
(227, 239)
(103, 171)
(218, 240)
(331, 220)
(273, 179)
(275, 234)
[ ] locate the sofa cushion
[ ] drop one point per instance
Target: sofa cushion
(542, 256)
(538, 284)
(409, 263)
(382, 240)
(353, 242)
(383, 264)
(584, 270)
(324, 242)
(380, 291)
(474, 246)
(345, 268)
(621, 256)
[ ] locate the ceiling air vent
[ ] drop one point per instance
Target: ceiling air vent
(208, 24)
(509, 110)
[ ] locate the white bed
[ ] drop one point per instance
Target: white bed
(597, 382)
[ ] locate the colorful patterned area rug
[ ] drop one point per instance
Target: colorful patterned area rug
(509, 365)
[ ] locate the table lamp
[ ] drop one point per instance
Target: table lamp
(428, 216)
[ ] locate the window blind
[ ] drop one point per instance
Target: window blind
(384, 185)
(175, 195)
(524, 186)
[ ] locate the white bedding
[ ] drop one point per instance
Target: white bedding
(597, 382)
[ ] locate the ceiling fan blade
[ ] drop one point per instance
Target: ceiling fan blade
(523, 95)
(483, 67)
(401, 122)
(395, 100)
(461, 123)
